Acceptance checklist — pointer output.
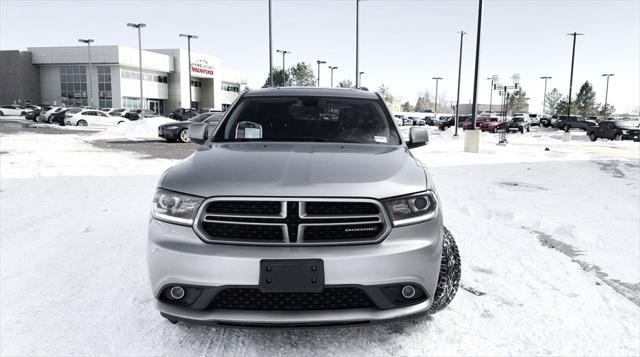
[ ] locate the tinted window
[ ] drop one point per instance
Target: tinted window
(309, 119)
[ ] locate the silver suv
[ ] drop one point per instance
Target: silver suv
(304, 207)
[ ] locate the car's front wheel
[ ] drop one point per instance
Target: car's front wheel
(184, 136)
(617, 137)
(593, 136)
(450, 272)
(81, 123)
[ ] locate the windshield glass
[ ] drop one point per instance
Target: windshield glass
(320, 119)
(518, 120)
(200, 117)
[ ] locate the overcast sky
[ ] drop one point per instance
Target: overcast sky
(403, 44)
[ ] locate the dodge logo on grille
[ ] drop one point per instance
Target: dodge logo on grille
(365, 229)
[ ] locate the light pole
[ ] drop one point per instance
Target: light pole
(567, 137)
(139, 27)
(360, 77)
(88, 42)
(504, 92)
(319, 63)
(189, 37)
(357, 43)
(544, 98)
(435, 105)
(494, 79)
(606, 93)
(472, 139)
(270, 49)
(284, 72)
(462, 33)
(331, 68)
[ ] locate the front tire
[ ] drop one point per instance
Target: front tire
(450, 272)
(81, 123)
(183, 136)
(593, 136)
(617, 137)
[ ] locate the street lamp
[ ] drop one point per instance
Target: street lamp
(88, 42)
(189, 37)
(319, 63)
(462, 33)
(494, 79)
(472, 139)
(360, 77)
(331, 68)
(270, 49)
(505, 92)
(606, 93)
(357, 43)
(435, 105)
(544, 98)
(139, 27)
(284, 72)
(567, 135)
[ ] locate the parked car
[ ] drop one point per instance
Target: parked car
(574, 122)
(545, 121)
(407, 121)
(183, 114)
(466, 125)
(398, 121)
(60, 116)
(180, 129)
(614, 130)
(285, 218)
(534, 119)
(493, 124)
(139, 114)
(33, 114)
(418, 121)
(14, 110)
(449, 122)
(47, 116)
(92, 117)
(518, 124)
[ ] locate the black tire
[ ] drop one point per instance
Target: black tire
(1, 114)
(593, 136)
(23, 114)
(617, 137)
(81, 123)
(528, 129)
(183, 136)
(50, 120)
(450, 272)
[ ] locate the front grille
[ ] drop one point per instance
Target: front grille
(340, 208)
(255, 208)
(291, 221)
(330, 298)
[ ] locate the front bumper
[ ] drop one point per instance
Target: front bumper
(168, 134)
(409, 254)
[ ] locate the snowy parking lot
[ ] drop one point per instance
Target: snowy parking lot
(548, 231)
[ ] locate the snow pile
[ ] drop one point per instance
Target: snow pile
(146, 128)
(548, 241)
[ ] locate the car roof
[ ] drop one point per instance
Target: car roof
(310, 91)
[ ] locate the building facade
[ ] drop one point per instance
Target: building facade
(19, 78)
(64, 78)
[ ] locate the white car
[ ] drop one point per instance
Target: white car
(93, 117)
(46, 116)
(14, 110)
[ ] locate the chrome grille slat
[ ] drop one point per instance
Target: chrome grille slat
(373, 227)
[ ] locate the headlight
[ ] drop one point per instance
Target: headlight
(175, 207)
(625, 132)
(412, 209)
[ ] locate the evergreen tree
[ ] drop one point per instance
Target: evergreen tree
(586, 101)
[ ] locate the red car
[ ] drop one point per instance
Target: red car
(479, 121)
(493, 125)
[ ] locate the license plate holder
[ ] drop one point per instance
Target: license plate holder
(291, 275)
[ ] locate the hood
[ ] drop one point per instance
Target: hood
(297, 169)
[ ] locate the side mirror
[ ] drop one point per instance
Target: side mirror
(418, 137)
(198, 133)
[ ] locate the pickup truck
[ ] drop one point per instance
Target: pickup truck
(614, 130)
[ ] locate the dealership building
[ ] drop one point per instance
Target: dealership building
(60, 76)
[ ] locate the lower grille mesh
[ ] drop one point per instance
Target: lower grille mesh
(329, 299)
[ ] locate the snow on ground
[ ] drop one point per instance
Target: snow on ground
(146, 128)
(548, 240)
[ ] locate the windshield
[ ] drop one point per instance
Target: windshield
(200, 117)
(320, 119)
(518, 120)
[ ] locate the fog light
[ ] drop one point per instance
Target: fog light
(177, 292)
(408, 291)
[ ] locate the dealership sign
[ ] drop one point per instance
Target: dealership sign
(202, 66)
